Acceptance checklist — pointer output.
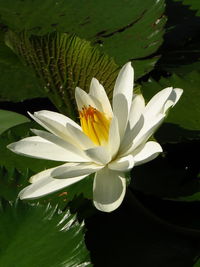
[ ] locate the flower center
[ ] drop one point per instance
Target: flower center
(95, 125)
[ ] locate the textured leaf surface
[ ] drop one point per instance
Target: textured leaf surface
(9, 119)
(64, 62)
(40, 236)
(125, 30)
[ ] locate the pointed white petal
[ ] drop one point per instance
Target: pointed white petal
(56, 117)
(173, 99)
(129, 136)
(122, 96)
(67, 171)
(146, 132)
(74, 153)
(122, 164)
(57, 127)
(179, 93)
(83, 141)
(46, 173)
(108, 189)
(99, 155)
(83, 99)
(157, 103)
(100, 97)
(121, 112)
(137, 107)
(46, 185)
(38, 147)
(124, 84)
(146, 152)
(114, 138)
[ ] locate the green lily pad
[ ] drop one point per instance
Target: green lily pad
(9, 119)
(40, 236)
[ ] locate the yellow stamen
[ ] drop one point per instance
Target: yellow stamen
(95, 125)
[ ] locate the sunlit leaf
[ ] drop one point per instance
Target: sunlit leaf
(63, 62)
(124, 30)
(40, 236)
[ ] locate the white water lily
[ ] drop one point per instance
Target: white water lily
(110, 141)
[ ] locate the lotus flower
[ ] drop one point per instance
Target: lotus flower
(109, 141)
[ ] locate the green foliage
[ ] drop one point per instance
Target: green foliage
(130, 30)
(17, 82)
(43, 236)
(64, 62)
(193, 4)
(180, 50)
(9, 119)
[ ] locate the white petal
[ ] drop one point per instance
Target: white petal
(146, 153)
(83, 141)
(46, 185)
(121, 112)
(38, 147)
(146, 132)
(74, 153)
(47, 119)
(122, 96)
(108, 189)
(129, 136)
(114, 138)
(56, 117)
(45, 173)
(83, 99)
(99, 155)
(68, 171)
(100, 97)
(173, 99)
(124, 84)
(122, 164)
(157, 102)
(137, 107)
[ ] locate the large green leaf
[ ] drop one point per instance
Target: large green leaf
(193, 4)
(125, 30)
(180, 50)
(40, 236)
(184, 118)
(63, 62)
(9, 119)
(17, 83)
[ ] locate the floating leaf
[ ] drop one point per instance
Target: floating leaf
(17, 82)
(180, 50)
(64, 62)
(124, 30)
(193, 4)
(40, 236)
(9, 119)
